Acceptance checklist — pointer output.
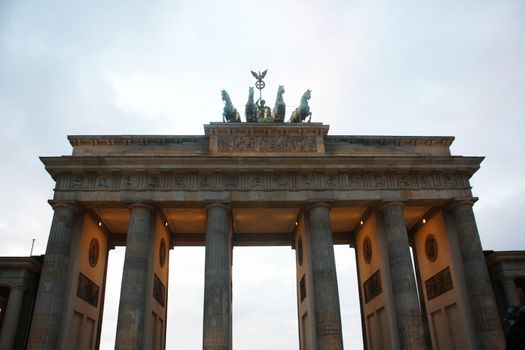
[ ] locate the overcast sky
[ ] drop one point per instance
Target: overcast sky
(454, 68)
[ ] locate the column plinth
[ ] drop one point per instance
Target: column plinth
(132, 307)
(217, 323)
(406, 305)
(481, 296)
(49, 304)
(12, 313)
(324, 278)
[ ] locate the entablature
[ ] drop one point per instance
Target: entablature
(261, 161)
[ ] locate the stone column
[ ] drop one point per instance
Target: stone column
(12, 313)
(406, 301)
(511, 294)
(487, 323)
(50, 300)
(324, 278)
(132, 307)
(217, 327)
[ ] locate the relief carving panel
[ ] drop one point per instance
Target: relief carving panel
(439, 284)
(87, 290)
(267, 144)
(130, 182)
(372, 287)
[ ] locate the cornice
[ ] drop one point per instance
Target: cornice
(514, 256)
(393, 140)
(110, 140)
(126, 140)
(23, 262)
(191, 163)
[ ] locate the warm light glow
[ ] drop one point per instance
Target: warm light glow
(166, 224)
(424, 221)
(100, 223)
(362, 222)
(296, 223)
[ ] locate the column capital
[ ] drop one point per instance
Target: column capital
(390, 204)
(507, 279)
(145, 205)
(462, 202)
(225, 205)
(313, 204)
(64, 204)
(18, 286)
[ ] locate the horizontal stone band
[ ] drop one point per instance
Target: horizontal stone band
(250, 182)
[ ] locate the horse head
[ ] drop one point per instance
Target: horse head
(307, 94)
(225, 96)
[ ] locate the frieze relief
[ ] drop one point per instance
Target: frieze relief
(256, 181)
(268, 144)
(104, 182)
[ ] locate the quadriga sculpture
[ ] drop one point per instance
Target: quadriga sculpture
(250, 112)
(303, 111)
(229, 113)
(279, 110)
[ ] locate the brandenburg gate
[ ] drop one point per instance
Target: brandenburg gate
(403, 203)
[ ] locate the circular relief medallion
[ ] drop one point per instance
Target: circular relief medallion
(431, 249)
(367, 250)
(162, 252)
(93, 252)
(300, 251)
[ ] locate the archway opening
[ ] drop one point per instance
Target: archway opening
(112, 297)
(345, 262)
(185, 298)
(264, 298)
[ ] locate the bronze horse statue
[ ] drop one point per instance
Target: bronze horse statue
(250, 111)
(279, 110)
(229, 113)
(303, 111)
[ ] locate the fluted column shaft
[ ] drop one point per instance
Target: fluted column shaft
(406, 301)
(511, 294)
(481, 296)
(324, 278)
(49, 304)
(12, 313)
(217, 327)
(132, 307)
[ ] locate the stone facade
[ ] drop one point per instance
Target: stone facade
(381, 195)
